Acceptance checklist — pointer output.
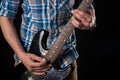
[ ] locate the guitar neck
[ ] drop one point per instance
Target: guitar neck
(57, 46)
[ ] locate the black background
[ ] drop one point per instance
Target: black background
(98, 49)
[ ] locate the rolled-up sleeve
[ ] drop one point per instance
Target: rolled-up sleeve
(9, 8)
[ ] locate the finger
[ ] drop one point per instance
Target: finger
(39, 59)
(86, 15)
(35, 57)
(82, 16)
(76, 23)
(46, 65)
(38, 65)
(92, 24)
(41, 70)
(33, 65)
(42, 67)
(39, 73)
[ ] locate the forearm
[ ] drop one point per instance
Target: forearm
(11, 36)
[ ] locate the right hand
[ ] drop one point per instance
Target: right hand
(35, 64)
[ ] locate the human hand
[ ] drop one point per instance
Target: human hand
(83, 20)
(35, 64)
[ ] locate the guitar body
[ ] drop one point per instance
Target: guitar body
(38, 47)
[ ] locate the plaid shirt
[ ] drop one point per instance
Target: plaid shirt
(51, 15)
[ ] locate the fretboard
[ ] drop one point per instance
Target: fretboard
(58, 45)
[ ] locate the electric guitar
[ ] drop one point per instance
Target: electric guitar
(39, 48)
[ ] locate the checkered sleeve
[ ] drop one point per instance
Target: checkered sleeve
(9, 8)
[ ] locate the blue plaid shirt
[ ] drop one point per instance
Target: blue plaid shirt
(51, 15)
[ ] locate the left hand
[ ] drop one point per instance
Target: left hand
(83, 20)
